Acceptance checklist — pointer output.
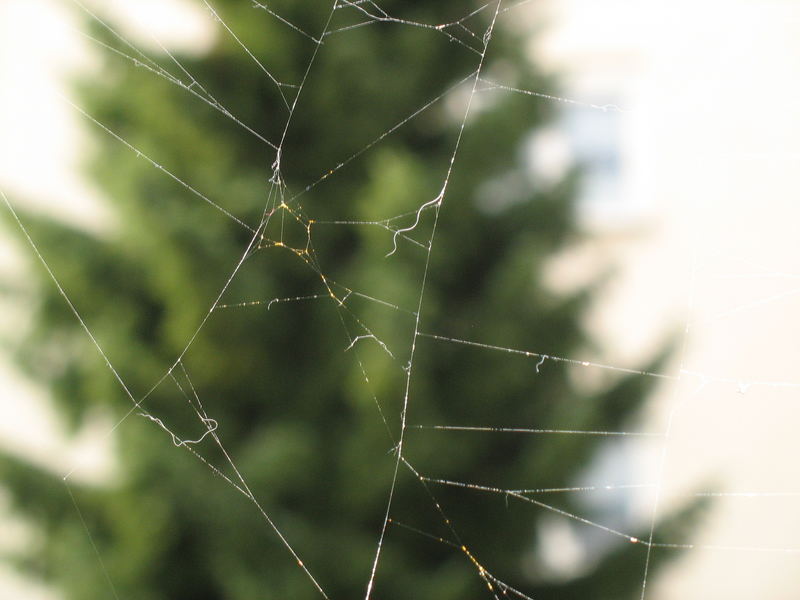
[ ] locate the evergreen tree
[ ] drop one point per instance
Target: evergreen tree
(307, 395)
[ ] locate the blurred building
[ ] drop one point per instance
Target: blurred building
(683, 116)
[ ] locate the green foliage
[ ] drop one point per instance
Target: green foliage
(294, 408)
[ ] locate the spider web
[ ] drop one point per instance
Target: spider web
(286, 227)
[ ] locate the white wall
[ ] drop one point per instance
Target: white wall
(711, 139)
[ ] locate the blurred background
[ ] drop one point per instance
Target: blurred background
(624, 196)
